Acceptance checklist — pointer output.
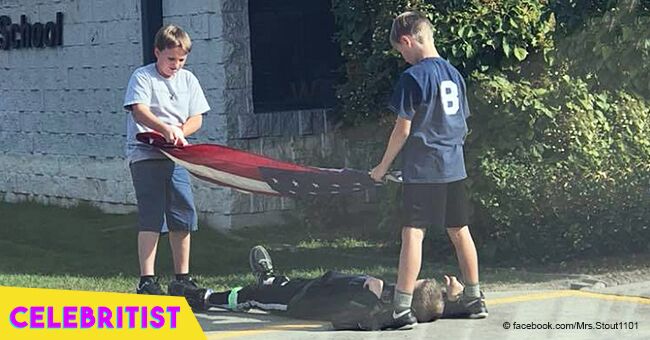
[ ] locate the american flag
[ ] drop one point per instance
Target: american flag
(254, 173)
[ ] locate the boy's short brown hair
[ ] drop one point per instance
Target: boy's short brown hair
(412, 23)
(172, 36)
(428, 304)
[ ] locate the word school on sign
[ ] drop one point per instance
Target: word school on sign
(26, 35)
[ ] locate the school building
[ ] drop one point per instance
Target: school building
(267, 68)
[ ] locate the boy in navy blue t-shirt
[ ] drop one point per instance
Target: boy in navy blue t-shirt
(430, 101)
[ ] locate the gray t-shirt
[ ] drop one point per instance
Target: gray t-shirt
(172, 100)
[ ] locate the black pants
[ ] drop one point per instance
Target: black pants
(317, 299)
(270, 297)
(273, 297)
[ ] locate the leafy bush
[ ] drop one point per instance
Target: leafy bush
(611, 46)
(473, 35)
(560, 171)
(482, 35)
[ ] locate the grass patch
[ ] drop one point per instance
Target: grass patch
(84, 249)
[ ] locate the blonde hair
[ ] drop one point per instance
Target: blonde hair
(428, 304)
(412, 23)
(172, 36)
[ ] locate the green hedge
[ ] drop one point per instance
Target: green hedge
(559, 170)
(613, 46)
(473, 35)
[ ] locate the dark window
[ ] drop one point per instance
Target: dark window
(294, 57)
(152, 20)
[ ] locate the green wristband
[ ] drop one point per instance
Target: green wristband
(232, 298)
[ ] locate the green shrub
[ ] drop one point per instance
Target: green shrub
(560, 171)
(473, 35)
(610, 45)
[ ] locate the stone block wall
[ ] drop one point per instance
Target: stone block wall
(62, 125)
(61, 121)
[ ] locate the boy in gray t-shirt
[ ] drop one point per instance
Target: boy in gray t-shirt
(166, 98)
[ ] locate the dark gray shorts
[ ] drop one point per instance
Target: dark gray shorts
(437, 205)
(164, 193)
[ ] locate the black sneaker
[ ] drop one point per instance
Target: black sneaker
(175, 287)
(393, 319)
(196, 297)
(261, 264)
(149, 287)
(466, 308)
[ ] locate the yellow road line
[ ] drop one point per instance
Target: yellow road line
(566, 293)
(529, 297)
(632, 299)
(215, 335)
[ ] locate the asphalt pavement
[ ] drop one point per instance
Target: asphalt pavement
(592, 312)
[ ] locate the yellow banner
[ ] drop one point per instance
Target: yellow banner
(29, 313)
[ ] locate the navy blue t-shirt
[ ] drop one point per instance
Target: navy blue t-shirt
(432, 95)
